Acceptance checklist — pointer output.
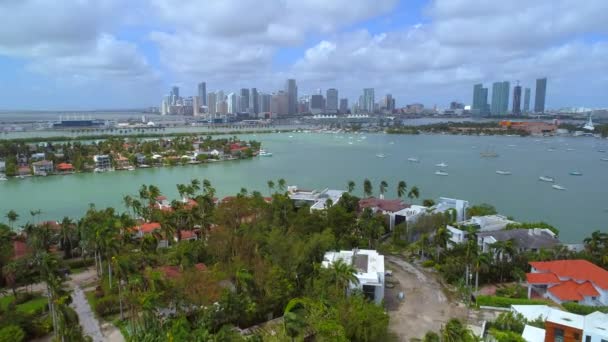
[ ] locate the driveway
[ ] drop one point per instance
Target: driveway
(425, 307)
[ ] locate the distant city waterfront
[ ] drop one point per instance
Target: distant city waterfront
(312, 160)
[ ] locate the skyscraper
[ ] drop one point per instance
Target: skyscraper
(539, 97)
(527, 100)
(292, 96)
(500, 98)
(254, 105)
(202, 93)
(175, 91)
(316, 104)
(212, 103)
(343, 106)
(369, 100)
(517, 100)
(388, 103)
(232, 104)
(265, 103)
(480, 99)
(244, 107)
(332, 100)
(279, 103)
(196, 105)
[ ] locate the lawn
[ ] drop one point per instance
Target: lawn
(32, 306)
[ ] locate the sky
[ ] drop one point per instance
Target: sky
(105, 54)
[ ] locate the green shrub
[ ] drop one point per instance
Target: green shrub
(79, 263)
(40, 327)
(503, 302)
(11, 333)
(107, 306)
(428, 263)
(584, 309)
(512, 291)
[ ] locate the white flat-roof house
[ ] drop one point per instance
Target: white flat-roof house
(444, 204)
(569, 326)
(317, 200)
(370, 270)
(102, 162)
(488, 223)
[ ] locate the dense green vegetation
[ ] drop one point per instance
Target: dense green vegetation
(468, 128)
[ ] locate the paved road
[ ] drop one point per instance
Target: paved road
(89, 323)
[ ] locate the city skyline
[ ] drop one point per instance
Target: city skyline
(113, 54)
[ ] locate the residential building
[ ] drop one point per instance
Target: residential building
(174, 94)
(244, 106)
(562, 281)
(211, 103)
(254, 104)
(196, 105)
(488, 223)
(388, 103)
(480, 100)
(331, 105)
(43, 167)
(202, 93)
(102, 162)
(500, 98)
(317, 200)
(279, 103)
(524, 240)
(539, 97)
(527, 100)
(368, 100)
(292, 97)
(370, 270)
(457, 205)
(265, 100)
(343, 106)
(517, 100)
(561, 325)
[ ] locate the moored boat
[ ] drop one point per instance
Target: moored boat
(558, 187)
(502, 172)
(576, 173)
(441, 173)
(546, 179)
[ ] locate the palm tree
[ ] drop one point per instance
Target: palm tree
(367, 188)
(270, 186)
(12, 217)
(455, 331)
(441, 239)
(383, 186)
(67, 236)
(35, 213)
(343, 275)
(481, 261)
(401, 189)
(282, 184)
(414, 193)
(351, 186)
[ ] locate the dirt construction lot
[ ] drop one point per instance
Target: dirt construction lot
(425, 306)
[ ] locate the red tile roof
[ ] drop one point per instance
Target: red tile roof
(587, 289)
(149, 227)
(580, 270)
(566, 291)
(161, 198)
(65, 167)
(187, 234)
(175, 271)
(19, 249)
(542, 278)
(382, 204)
(50, 224)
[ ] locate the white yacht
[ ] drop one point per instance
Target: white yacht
(504, 173)
(558, 187)
(380, 155)
(264, 153)
(441, 173)
(604, 159)
(546, 179)
(2, 178)
(413, 160)
(442, 164)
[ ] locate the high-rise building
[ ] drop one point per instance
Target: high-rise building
(539, 96)
(244, 106)
(332, 100)
(254, 105)
(265, 102)
(388, 103)
(500, 98)
(343, 106)
(164, 106)
(292, 96)
(316, 104)
(480, 100)
(202, 93)
(175, 91)
(527, 100)
(279, 103)
(212, 103)
(196, 105)
(517, 100)
(369, 100)
(232, 104)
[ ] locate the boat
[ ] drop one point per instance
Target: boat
(546, 179)
(576, 173)
(504, 173)
(569, 149)
(264, 153)
(442, 164)
(558, 187)
(380, 155)
(3, 178)
(350, 142)
(291, 136)
(413, 160)
(601, 151)
(130, 168)
(441, 173)
(604, 159)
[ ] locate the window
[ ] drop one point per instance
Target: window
(587, 338)
(558, 334)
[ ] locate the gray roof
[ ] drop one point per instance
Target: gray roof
(360, 262)
(524, 238)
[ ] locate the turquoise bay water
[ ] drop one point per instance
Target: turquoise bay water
(328, 160)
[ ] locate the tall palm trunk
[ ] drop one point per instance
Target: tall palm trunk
(110, 273)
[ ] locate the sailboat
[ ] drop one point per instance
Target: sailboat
(589, 124)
